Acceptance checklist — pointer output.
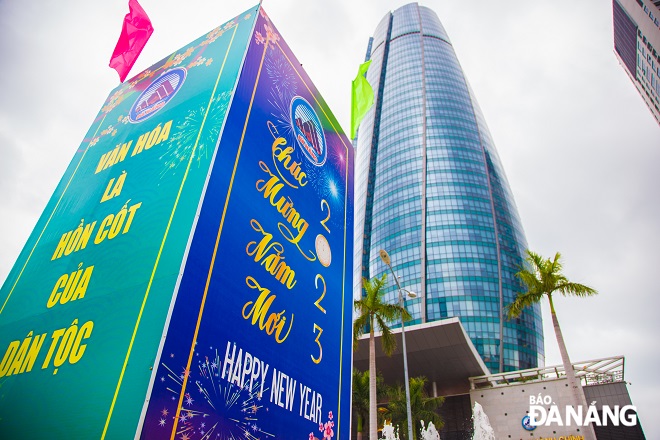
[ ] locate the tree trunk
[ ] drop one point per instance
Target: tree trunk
(576, 389)
(373, 420)
(359, 427)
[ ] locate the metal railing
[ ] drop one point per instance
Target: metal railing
(594, 372)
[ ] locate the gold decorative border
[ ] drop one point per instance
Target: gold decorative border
(162, 245)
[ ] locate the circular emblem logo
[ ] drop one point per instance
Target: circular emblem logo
(527, 424)
(157, 95)
(309, 133)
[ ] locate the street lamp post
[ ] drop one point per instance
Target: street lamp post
(386, 259)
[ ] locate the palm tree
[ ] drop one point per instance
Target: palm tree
(422, 407)
(373, 312)
(361, 397)
(544, 277)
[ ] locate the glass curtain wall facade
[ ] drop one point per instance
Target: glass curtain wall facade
(431, 191)
(636, 25)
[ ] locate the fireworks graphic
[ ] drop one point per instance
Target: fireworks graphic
(329, 185)
(337, 157)
(284, 78)
(212, 408)
(186, 135)
(284, 89)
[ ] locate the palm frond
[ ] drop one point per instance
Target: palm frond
(537, 261)
(522, 301)
(576, 289)
(541, 276)
(380, 312)
(374, 286)
(528, 278)
(422, 406)
(360, 390)
(387, 340)
(393, 311)
(406, 314)
(359, 326)
(556, 265)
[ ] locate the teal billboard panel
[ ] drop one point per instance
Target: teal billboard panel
(190, 276)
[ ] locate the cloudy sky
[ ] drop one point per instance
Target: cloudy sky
(580, 148)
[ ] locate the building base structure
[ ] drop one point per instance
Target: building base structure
(443, 353)
(514, 400)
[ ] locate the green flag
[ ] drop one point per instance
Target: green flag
(362, 98)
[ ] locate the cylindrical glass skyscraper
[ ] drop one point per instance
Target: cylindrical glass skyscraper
(431, 191)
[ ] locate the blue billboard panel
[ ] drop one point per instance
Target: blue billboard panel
(259, 340)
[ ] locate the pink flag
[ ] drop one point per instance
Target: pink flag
(134, 36)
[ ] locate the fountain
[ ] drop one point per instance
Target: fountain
(482, 428)
(429, 432)
(389, 432)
